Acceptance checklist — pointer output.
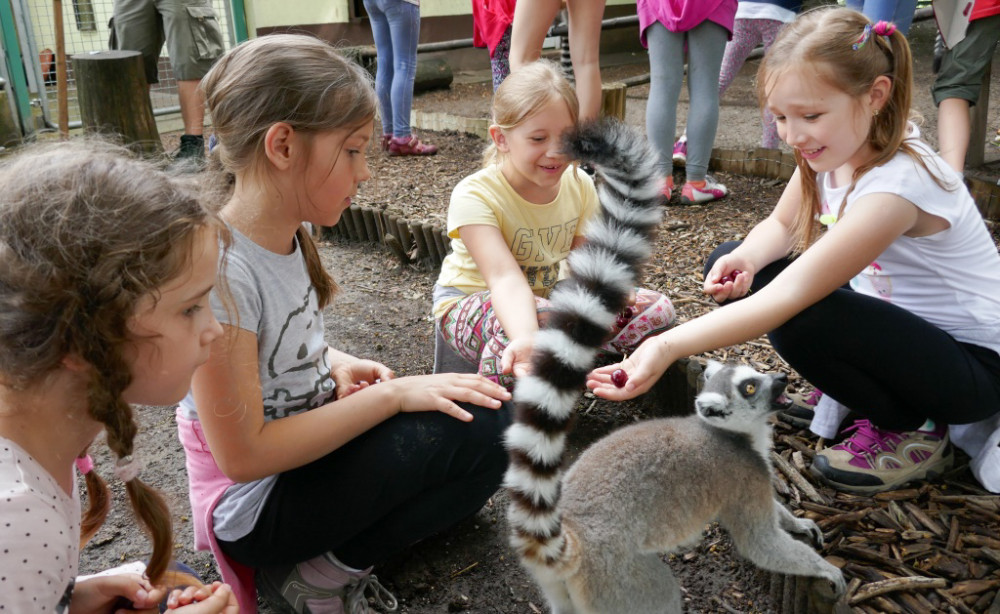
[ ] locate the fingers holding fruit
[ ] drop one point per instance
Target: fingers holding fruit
(632, 376)
(727, 280)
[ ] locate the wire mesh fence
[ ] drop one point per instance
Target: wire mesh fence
(87, 28)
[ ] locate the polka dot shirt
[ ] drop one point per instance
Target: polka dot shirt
(40, 524)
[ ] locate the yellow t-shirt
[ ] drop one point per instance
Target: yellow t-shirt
(539, 236)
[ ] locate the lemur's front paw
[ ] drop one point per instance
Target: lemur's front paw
(808, 530)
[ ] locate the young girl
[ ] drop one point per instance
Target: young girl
(895, 310)
(105, 269)
(308, 465)
(512, 224)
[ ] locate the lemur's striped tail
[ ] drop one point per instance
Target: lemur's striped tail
(584, 308)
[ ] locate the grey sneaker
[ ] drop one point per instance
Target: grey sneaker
(322, 584)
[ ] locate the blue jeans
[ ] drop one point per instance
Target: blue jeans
(396, 29)
(899, 12)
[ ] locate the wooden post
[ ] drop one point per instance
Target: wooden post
(613, 99)
(114, 98)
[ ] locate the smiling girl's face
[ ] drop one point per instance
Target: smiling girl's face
(533, 159)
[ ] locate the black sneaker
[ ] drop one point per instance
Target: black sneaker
(190, 156)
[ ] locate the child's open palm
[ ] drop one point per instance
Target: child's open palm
(439, 392)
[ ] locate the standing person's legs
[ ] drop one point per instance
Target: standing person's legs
(385, 62)
(532, 20)
(666, 56)
(769, 29)
(404, 29)
(746, 37)
(500, 60)
(706, 46)
(585, 52)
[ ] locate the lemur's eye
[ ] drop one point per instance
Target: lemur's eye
(749, 389)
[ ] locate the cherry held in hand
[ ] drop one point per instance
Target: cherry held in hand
(619, 378)
(730, 277)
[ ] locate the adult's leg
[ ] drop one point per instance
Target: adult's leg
(954, 126)
(404, 28)
(194, 43)
(532, 20)
(899, 12)
(192, 106)
(585, 52)
(402, 481)
(384, 62)
(666, 57)
(706, 45)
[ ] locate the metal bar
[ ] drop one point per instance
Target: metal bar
(237, 14)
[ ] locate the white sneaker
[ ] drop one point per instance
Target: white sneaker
(981, 441)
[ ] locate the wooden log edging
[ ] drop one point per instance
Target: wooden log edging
(410, 242)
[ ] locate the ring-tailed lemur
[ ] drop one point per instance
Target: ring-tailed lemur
(593, 540)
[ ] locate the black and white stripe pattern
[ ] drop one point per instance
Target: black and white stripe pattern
(584, 308)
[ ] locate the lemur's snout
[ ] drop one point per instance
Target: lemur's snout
(778, 398)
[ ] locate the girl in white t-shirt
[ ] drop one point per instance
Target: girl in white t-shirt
(512, 224)
(105, 269)
(895, 310)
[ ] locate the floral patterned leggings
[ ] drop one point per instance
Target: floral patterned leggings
(747, 34)
(472, 330)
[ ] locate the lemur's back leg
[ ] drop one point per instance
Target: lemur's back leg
(556, 594)
(639, 583)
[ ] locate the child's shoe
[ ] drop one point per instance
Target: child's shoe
(668, 187)
(873, 460)
(681, 151)
(705, 191)
(322, 584)
(410, 146)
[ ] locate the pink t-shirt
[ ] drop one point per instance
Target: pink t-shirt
(683, 15)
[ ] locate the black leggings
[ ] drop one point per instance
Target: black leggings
(882, 361)
(406, 479)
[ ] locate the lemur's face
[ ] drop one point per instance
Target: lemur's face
(735, 397)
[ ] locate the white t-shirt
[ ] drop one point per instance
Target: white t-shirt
(950, 278)
(40, 529)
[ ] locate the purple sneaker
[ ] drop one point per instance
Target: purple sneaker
(681, 151)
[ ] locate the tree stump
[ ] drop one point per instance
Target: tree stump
(613, 100)
(432, 74)
(114, 98)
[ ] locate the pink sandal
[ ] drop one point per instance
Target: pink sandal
(410, 146)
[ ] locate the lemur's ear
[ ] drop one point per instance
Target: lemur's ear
(713, 367)
(710, 404)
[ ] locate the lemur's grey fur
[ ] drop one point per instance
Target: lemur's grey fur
(593, 539)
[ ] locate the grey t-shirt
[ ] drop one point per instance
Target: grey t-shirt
(273, 298)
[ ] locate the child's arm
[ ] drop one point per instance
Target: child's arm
(768, 241)
(228, 395)
(513, 300)
(873, 223)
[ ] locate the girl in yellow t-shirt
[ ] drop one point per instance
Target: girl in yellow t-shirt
(512, 224)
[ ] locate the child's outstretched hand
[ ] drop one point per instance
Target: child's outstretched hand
(641, 370)
(516, 357)
(729, 278)
(440, 391)
(216, 598)
(355, 375)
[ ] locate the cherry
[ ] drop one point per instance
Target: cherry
(624, 317)
(619, 378)
(730, 277)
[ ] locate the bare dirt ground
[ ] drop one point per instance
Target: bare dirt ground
(383, 313)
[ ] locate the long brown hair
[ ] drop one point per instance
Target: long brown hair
(823, 40)
(290, 78)
(86, 231)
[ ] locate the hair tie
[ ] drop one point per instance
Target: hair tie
(884, 28)
(84, 464)
(127, 468)
(858, 44)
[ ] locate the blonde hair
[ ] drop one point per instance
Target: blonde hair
(822, 40)
(291, 78)
(523, 93)
(86, 231)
